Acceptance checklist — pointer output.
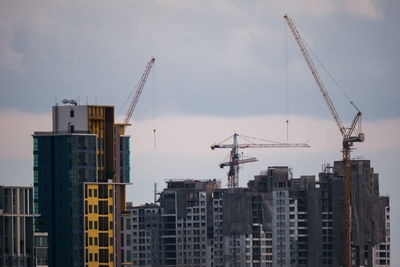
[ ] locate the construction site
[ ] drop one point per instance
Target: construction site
(337, 219)
(82, 217)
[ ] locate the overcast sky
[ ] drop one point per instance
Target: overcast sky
(221, 66)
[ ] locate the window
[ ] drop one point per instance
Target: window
(103, 210)
(90, 209)
(103, 239)
(90, 225)
(103, 257)
(35, 144)
(90, 241)
(103, 223)
(95, 225)
(95, 241)
(110, 193)
(71, 128)
(95, 208)
(35, 160)
(71, 113)
(128, 224)
(95, 192)
(128, 256)
(111, 209)
(90, 257)
(90, 192)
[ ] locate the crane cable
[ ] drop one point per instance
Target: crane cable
(154, 89)
(128, 98)
(331, 76)
(287, 82)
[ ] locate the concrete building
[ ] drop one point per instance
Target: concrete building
(80, 172)
(381, 251)
(204, 225)
(16, 226)
(246, 228)
(277, 220)
(141, 235)
(307, 218)
(368, 214)
(187, 222)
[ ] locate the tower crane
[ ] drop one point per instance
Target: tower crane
(350, 135)
(138, 92)
(235, 159)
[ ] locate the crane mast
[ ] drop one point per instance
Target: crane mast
(235, 160)
(138, 92)
(347, 133)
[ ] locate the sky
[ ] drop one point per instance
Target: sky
(221, 67)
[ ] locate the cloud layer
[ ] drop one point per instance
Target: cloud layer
(219, 58)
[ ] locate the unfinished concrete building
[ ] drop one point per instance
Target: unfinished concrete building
(369, 213)
(277, 220)
(187, 222)
(140, 240)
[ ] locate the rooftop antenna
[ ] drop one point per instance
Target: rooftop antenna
(69, 101)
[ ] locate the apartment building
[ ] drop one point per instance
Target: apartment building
(16, 226)
(277, 220)
(81, 168)
(141, 235)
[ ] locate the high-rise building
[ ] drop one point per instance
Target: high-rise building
(370, 224)
(307, 216)
(16, 226)
(81, 168)
(141, 235)
(277, 220)
(187, 222)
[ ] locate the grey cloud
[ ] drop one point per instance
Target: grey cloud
(218, 58)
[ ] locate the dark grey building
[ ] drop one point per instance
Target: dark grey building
(16, 226)
(369, 213)
(277, 220)
(187, 222)
(141, 235)
(308, 218)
